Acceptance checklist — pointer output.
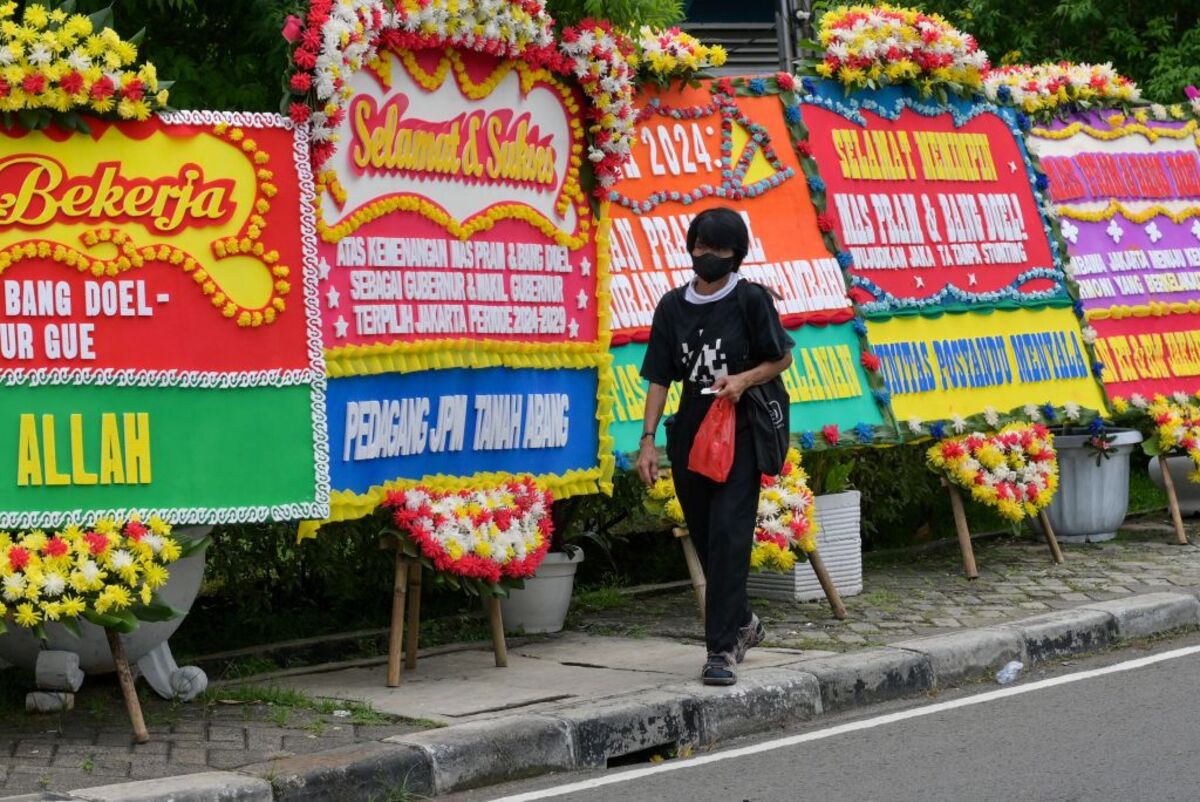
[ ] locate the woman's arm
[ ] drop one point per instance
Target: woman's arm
(647, 461)
(732, 387)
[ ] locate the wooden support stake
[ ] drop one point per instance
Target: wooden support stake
(964, 532)
(695, 569)
(1172, 501)
(498, 644)
(125, 677)
(414, 615)
(831, 592)
(1051, 540)
(396, 638)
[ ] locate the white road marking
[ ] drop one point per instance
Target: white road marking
(842, 729)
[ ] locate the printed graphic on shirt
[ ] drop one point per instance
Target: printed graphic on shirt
(709, 365)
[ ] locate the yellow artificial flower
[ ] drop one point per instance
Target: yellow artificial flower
(27, 616)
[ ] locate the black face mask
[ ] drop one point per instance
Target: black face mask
(711, 267)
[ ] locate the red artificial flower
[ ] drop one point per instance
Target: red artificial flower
(292, 26)
(34, 83)
(301, 82)
(786, 81)
(299, 112)
(55, 547)
(136, 530)
(870, 361)
(71, 83)
(725, 86)
(305, 59)
(824, 223)
(133, 89)
(103, 88)
(18, 558)
(830, 433)
(97, 543)
(5, 88)
(804, 149)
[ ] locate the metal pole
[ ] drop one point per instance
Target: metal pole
(785, 32)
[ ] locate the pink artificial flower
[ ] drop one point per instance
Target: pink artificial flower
(292, 26)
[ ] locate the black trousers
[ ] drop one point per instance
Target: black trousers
(721, 519)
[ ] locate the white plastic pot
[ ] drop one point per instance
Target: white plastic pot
(1187, 491)
(541, 606)
(1092, 498)
(839, 542)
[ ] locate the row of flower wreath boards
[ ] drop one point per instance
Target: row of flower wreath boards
(938, 233)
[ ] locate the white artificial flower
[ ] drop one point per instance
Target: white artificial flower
(991, 416)
(154, 542)
(1089, 335)
(1137, 401)
(1032, 412)
(1072, 410)
(1180, 398)
(78, 60)
(53, 584)
(14, 587)
(914, 425)
(958, 423)
(90, 571)
(121, 559)
(40, 54)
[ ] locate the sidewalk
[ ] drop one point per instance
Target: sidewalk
(623, 681)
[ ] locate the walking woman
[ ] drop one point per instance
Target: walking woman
(719, 336)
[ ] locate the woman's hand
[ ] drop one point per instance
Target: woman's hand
(732, 387)
(647, 461)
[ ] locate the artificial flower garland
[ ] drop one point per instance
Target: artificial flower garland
(337, 38)
(1176, 429)
(501, 532)
(1014, 470)
(666, 55)
(868, 46)
(785, 528)
(1043, 89)
(107, 574)
(55, 63)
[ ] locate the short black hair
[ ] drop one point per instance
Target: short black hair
(721, 227)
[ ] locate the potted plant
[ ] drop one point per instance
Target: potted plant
(1093, 488)
(839, 535)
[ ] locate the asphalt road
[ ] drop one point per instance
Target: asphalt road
(1127, 735)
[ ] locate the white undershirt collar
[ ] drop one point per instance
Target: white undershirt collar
(692, 297)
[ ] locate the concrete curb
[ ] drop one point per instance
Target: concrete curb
(590, 735)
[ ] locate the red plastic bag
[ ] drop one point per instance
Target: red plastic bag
(712, 450)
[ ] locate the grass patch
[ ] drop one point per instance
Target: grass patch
(604, 598)
(285, 700)
(1144, 495)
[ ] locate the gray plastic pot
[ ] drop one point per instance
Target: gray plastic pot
(1092, 499)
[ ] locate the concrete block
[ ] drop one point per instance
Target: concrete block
(209, 786)
(967, 655)
(611, 728)
(58, 671)
(763, 699)
(1064, 633)
(367, 770)
(874, 675)
(493, 751)
(1151, 613)
(49, 702)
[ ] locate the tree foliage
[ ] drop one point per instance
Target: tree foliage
(1157, 44)
(627, 15)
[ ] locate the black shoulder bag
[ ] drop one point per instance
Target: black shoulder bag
(768, 410)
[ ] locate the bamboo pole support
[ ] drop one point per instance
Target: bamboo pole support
(128, 691)
(414, 615)
(497, 621)
(831, 591)
(1051, 540)
(396, 637)
(695, 569)
(964, 532)
(1173, 502)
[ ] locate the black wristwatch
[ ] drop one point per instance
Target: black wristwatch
(645, 435)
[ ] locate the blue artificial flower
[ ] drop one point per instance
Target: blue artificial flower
(1041, 182)
(1004, 94)
(816, 184)
(865, 432)
(808, 85)
(1096, 427)
(860, 327)
(621, 461)
(1098, 370)
(757, 85)
(1078, 309)
(792, 114)
(1022, 121)
(1048, 411)
(845, 260)
(937, 430)
(883, 396)
(807, 441)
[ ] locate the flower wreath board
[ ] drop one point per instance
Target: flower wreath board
(1127, 187)
(730, 142)
(160, 347)
(462, 271)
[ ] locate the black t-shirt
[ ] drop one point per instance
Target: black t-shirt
(732, 335)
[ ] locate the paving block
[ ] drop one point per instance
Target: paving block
(208, 786)
(611, 728)
(493, 751)
(369, 770)
(873, 675)
(1065, 633)
(966, 655)
(1151, 613)
(762, 699)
